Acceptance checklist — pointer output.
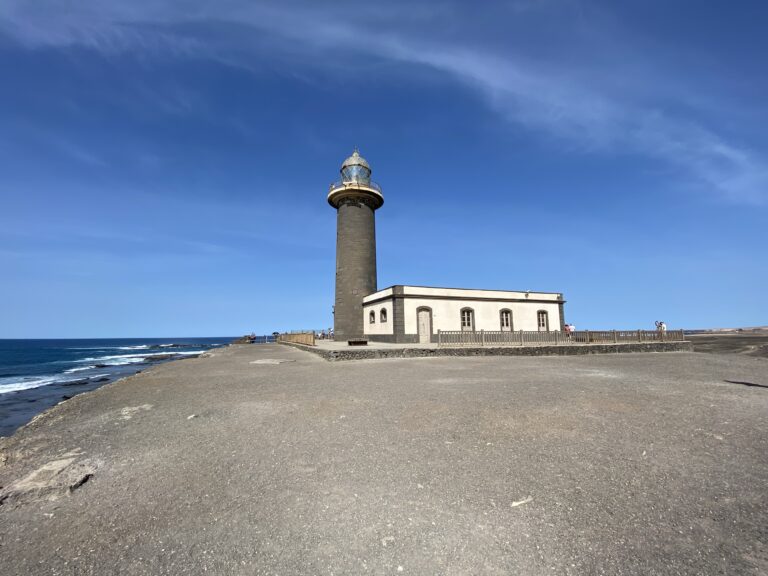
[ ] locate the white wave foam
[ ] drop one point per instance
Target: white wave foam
(124, 359)
(80, 369)
(141, 347)
(123, 362)
(15, 384)
(29, 382)
(97, 348)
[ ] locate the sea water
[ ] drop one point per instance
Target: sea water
(37, 374)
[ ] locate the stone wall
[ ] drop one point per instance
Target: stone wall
(579, 350)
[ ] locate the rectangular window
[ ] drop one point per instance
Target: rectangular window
(467, 320)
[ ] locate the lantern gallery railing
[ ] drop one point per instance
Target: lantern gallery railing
(452, 338)
(354, 184)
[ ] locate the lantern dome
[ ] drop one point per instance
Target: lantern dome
(356, 169)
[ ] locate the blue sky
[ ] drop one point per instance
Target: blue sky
(164, 165)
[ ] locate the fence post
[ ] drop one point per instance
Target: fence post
(639, 336)
(439, 337)
(522, 342)
(586, 336)
(482, 337)
(615, 337)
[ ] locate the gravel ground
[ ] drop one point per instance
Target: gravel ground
(615, 464)
(751, 343)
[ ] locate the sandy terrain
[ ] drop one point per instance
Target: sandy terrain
(269, 460)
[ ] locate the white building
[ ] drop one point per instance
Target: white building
(416, 313)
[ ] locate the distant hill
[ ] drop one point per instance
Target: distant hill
(750, 329)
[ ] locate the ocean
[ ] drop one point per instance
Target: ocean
(37, 374)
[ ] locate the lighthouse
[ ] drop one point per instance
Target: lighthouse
(356, 199)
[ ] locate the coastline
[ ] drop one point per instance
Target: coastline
(21, 407)
(86, 390)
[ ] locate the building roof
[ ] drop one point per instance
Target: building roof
(400, 290)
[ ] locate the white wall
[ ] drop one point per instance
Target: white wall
(446, 314)
(446, 305)
(378, 327)
(471, 293)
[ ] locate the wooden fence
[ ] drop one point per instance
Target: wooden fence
(452, 338)
(306, 338)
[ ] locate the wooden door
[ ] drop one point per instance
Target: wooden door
(425, 326)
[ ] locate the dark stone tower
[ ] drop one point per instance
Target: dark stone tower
(356, 199)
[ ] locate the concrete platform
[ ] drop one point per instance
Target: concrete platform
(263, 459)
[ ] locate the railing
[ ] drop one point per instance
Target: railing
(306, 338)
(355, 183)
(452, 338)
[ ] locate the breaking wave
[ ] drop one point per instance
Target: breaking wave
(124, 359)
(16, 384)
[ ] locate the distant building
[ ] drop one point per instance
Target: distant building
(412, 313)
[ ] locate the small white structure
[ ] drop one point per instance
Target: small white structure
(416, 313)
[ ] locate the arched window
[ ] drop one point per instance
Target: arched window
(542, 319)
(372, 317)
(383, 315)
(505, 320)
(467, 319)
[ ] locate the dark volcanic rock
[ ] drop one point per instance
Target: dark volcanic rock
(76, 382)
(159, 357)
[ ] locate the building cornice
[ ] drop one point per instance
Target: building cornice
(402, 286)
(395, 296)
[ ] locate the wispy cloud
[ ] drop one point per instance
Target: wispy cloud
(59, 143)
(582, 110)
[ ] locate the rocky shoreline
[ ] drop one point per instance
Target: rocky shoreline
(18, 408)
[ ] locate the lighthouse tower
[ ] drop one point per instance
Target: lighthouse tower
(356, 200)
